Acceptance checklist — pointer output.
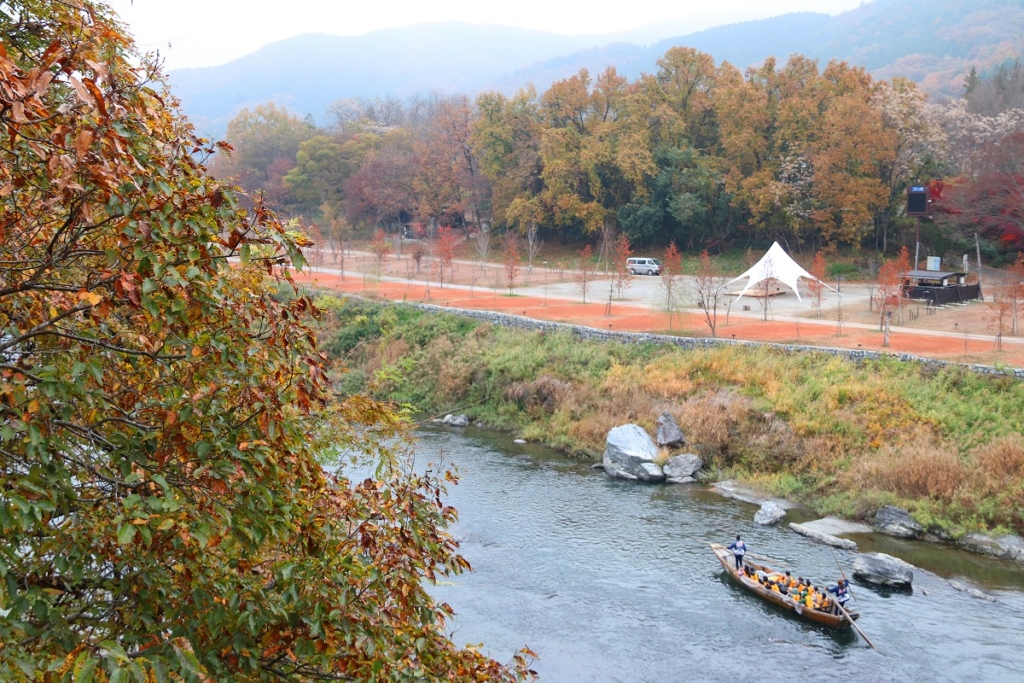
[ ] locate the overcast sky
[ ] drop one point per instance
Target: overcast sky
(207, 32)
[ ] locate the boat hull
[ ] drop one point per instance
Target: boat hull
(725, 556)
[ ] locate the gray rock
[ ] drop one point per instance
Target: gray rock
(650, 471)
(683, 466)
(730, 488)
(973, 592)
(519, 441)
(884, 570)
(822, 537)
(669, 434)
(769, 514)
(1006, 547)
(456, 420)
(684, 480)
(628, 452)
(597, 466)
(836, 526)
(897, 522)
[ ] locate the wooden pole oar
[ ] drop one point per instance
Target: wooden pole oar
(845, 580)
(854, 625)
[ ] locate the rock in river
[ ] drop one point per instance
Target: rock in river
(669, 434)
(829, 539)
(456, 420)
(897, 522)
(769, 514)
(630, 453)
(884, 570)
(1006, 547)
(682, 467)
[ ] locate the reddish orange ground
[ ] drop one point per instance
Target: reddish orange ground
(636, 319)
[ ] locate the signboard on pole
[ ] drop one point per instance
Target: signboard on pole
(918, 200)
(934, 263)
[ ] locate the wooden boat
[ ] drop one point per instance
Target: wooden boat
(725, 556)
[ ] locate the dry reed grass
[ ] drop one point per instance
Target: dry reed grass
(998, 465)
(709, 422)
(541, 396)
(917, 470)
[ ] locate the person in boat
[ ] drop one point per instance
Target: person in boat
(739, 549)
(841, 591)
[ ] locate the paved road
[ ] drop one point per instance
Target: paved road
(648, 292)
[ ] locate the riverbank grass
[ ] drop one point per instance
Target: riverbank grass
(839, 436)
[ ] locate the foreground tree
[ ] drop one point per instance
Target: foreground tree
(163, 511)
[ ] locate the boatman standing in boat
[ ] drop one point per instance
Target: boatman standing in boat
(739, 549)
(841, 591)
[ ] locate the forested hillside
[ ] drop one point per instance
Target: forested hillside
(933, 43)
(697, 153)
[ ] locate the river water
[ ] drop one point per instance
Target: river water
(610, 581)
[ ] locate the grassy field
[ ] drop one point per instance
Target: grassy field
(838, 436)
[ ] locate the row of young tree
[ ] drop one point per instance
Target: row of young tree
(697, 153)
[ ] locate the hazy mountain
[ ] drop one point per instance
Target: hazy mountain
(308, 72)
(934, 43)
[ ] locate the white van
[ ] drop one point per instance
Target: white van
(643, 266)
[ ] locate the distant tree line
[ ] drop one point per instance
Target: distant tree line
(696, 153)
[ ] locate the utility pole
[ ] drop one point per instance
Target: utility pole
(917, 205)
(917, 244)
(977, 251)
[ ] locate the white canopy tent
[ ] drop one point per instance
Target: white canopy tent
(775, 264)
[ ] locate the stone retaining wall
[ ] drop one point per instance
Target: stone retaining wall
(593, 334)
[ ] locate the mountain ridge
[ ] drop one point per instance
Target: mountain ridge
(934, 45)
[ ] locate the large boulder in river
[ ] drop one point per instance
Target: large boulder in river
(629, 453)
(669, 434)
(822, 537)
(456, 420)
(681, 468)
(769, 514)
(897, 522)
(884, 570)
(1006, 547)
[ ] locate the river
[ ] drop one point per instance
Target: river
(609, 581)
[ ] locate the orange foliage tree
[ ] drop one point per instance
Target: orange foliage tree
(380, 248)
(445, 250)
(890, 290)
(623, 251)
(671, 280)
(585, 271)
(163, 508)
